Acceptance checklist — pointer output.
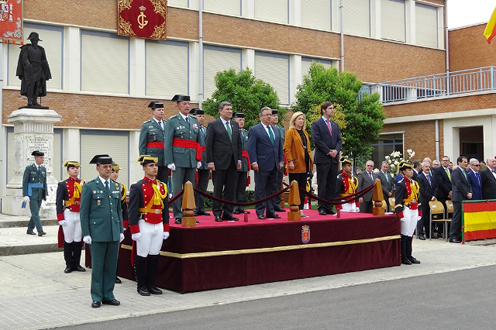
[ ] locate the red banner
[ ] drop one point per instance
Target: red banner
(11, 21)
(142, 18)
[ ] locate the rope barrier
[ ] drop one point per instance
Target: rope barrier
(241, 203)
(339, 200)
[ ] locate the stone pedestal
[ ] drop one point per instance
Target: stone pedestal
(33, 130)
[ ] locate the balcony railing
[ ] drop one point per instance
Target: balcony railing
(442, 84)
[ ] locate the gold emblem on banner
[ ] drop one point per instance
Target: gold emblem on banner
(142, 22)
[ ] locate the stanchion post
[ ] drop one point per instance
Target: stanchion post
(378, 198)
(188, 206)
(294, 202)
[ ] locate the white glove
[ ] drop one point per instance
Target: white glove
(136, 237)
(166, 235)
(172, 167)
(198, 164)
(26, 199)
(125, 229)
(121, 238)
(63, 223)
(87, 239)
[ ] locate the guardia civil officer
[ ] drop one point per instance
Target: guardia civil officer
(182, 149)
(67, 203)
(149, 224)
(241, 180)
(34, 190)
(101, 226)
(407, 208)
(203, 171)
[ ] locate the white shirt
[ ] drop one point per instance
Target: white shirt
(103, 181)
(160, 123)
(267, 127)
(184, 117)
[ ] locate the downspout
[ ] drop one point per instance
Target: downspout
(342, 33)
(200, 39)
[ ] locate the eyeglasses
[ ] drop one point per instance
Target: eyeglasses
(478, 165)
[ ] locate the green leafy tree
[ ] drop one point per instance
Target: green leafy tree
(246, 93)
(363, 117)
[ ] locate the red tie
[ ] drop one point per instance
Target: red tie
(329, 126)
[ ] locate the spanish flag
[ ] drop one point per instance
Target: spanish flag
(479, 220)
(490, 30)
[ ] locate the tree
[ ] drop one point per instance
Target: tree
(363, 117)
(246, 93)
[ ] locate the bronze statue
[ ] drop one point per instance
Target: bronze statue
(33, 70)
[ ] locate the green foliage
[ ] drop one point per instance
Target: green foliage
(364, 118)
(246, 93)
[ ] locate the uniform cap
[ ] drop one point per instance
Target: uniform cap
(403, 165)
(198, 112)
(239, 115)
(156, 105)
(345, 160)
(115, 167)
(101, 159)
(179, 98)
(274, 111)
(146, 159)
(34, 36)
(37, 153)
(70, 163)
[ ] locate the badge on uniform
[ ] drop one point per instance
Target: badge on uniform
(98, 202)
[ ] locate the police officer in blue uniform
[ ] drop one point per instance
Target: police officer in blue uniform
(34, 190)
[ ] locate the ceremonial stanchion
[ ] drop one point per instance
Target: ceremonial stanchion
(294, 202)
(188, 206)
(378, 198)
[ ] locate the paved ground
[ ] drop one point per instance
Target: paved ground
(36, 294)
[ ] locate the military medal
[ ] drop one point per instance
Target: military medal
(98, 202)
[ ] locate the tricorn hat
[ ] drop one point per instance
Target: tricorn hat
(403, 165)
(115, 167)
(101, 159)
(37, 153)
(146, 159)
(34, 36)
(71, 163)
(274, 111)
(179, 98)
(345, 160)
(156, 105)
(239, 115)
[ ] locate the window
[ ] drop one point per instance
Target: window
(272, 11)
(386, 144)
(104, 62)
(274, 70)
(426, 25)
(393, 26)
(166, 68)
(178, 3)
(216, 59)
(229, 7)
(316, 14)
(356, 17)
(307, 61)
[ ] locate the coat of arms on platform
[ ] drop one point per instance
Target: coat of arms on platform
(305, 234)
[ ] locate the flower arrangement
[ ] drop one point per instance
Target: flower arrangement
(394, 159)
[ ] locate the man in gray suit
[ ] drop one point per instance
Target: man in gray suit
(387, 183)
(365, 179)
(461, 191)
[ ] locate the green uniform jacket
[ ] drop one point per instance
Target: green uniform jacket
(203, 134)
(31, 175)
(100, 212)
(152, 132)
(243, 135)
(177, 128)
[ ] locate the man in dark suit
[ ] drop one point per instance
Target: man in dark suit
(442, 177)
(365, 179)
(475, 179)
(203, 171)
(223, 147)
(387, 183)
(488, 179)
(461, 191)
(327, 141)
(417, 169)
(266, 156)
(101, 228)
(427, 187)
(280, 173)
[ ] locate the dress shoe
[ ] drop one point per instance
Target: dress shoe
(41, 233)
(231, 218)
(144, 292)
(261, 216)
(279, 209)
(237, 212)
(113, 302)
(406, 261)
(273, 216)
(67, 270)
(177, 221)
(154, 290)
(413, 260)
(218, 218)
(203, 213)
(454, 240)
(422, 237)
(95, 304)
(331, 212)
(118, 280)
(79, 268)
(322, 212)
(30, 232)
(247, 212)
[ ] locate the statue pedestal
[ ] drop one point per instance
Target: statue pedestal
(33, 130)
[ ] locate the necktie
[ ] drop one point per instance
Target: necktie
(371, 177)
(387, 177)
(107, 186)
(448, 173)
(271, 135)
(464, 173)
(477, 175)
(228, 128)
(429, 179)
(160, 123)
(187, 120)
(329, 126)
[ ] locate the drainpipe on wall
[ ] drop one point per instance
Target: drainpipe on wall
(200, 39)
(342, 33)
(448, 87)
(437, 139)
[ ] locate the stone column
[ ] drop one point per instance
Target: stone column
(33, 130)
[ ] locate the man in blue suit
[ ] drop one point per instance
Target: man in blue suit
(327, 141)
(461, 191)
(266, 156)
(475, 179)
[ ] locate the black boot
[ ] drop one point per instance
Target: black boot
(76, 259)
(150, 276)
(140, 272)
(68, 257)
(404, 258)
(409, 251)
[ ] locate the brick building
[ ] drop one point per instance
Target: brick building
(102, 82)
